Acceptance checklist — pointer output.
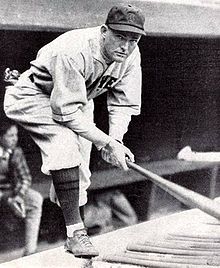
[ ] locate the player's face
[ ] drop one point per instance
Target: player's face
(117, 45)
(10, 138)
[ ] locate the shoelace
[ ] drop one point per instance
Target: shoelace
(84, 239)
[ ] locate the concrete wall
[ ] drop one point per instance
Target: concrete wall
(166, 16)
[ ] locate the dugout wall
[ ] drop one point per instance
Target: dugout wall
(180, 62)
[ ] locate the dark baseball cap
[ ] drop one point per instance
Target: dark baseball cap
(126, 18)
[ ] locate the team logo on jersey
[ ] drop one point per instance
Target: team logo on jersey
(106, 82)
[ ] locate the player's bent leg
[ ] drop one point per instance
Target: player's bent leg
(61, 157)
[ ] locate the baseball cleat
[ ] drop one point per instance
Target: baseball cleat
(80, 245)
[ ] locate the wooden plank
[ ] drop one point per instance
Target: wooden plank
(115, 177)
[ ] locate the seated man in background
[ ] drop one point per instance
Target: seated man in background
(15, 180)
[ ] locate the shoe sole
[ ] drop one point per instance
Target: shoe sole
(82, 255)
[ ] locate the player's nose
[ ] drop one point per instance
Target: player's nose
(125, 45)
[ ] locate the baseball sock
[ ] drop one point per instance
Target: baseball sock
(66, 184)
(72, 228)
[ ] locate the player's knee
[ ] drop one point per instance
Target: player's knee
(37, 199)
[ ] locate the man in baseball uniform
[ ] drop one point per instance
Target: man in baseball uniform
(53, 100)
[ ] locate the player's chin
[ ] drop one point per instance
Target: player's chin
(117, 59)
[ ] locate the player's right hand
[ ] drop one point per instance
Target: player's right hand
(116, 153)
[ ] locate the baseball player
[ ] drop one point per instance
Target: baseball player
(53, 100)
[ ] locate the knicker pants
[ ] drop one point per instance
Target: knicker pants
(60, 147)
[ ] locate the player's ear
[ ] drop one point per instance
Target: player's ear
(104, 30)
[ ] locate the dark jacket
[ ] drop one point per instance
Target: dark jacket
(18, 174)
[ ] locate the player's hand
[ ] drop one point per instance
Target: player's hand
(17, 206)
(116, 153)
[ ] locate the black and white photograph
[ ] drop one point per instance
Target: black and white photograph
(109, 134)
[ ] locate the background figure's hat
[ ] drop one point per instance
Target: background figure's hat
(126, 18)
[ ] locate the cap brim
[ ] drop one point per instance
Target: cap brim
(126, 28)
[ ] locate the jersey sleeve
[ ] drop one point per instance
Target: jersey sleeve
(124, 100)
(69, 90)
(68, 97)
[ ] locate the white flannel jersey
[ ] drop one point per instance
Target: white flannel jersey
(72, 70)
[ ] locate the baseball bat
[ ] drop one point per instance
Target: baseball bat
(186, 196)
(169, 250)
(149, 263)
